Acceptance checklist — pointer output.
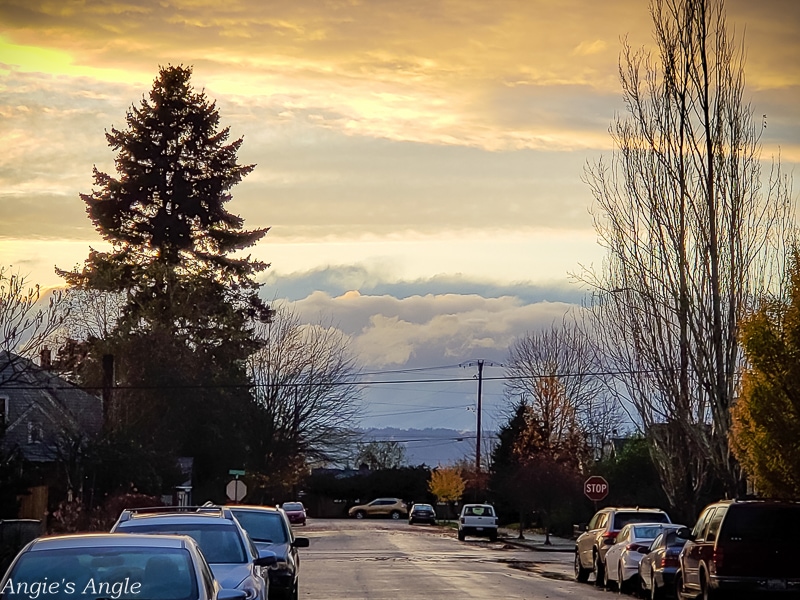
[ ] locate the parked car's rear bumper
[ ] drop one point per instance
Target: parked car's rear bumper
(776, 585)
(479, 531)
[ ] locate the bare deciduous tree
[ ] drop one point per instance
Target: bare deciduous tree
(692, 240)
(553, 372)
(306, 391)
(27, 321)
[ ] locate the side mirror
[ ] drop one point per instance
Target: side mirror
(684, 533)
(226, 594)
(265, 559)
(300, 542)
(583, 527)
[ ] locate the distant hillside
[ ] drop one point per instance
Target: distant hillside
(432, 447)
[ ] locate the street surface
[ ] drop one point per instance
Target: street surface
(379, 559)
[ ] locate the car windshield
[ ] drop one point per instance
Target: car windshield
(98, 572)
(220, 543)
(646, 532)
(423, 507)
(623, 518)
(263, 526)
(761, 523)
(292, 506)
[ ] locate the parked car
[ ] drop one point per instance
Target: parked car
(124, 567)
(296, 512)
(741, 547)
(380, 507)
(601, 533)
(234, 559)
(477, 520)
(422, 513)
(622, 559)
(270, 530)
(658, 567)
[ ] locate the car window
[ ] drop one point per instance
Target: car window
(646, 532)
(623, 535)
(163, 573)
(713, 525)
(479, 511)
(601, 522)
(292, 506)
(263, 526)
(593, 523)
(220, 543)
(623, 518)
(658, 542)
(700, 527)
(761, 524)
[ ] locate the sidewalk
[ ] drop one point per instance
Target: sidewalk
(535, 541)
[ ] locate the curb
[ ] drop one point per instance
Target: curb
(539, 547)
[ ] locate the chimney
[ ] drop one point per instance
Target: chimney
(44, 358)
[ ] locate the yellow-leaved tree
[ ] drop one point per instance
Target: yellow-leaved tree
(766, 418)
(447, 484)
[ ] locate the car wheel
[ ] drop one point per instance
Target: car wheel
(395, 515)
(599, 571)
(706, 593)
(461, 536)
(360, 514)
(581, 574)
(655, 593)
(678, 586)
(493, 536)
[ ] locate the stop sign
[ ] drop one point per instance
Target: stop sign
(236, 490)
(595, 488)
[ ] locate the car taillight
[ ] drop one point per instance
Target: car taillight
(668, 560)
(716, 560)
(609, 537)
(463, 520)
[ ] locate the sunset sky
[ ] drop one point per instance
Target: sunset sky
(419, 162)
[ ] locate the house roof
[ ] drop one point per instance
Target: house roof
(41, 396)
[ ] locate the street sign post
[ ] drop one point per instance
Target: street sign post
(595, 488)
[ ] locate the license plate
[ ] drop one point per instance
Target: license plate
(479, 529)
(776, 584)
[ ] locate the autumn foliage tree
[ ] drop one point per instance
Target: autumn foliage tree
(766, 418)
(447, 485)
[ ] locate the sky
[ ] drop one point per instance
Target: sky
(419, 162)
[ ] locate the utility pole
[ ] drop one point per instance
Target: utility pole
(480, 363)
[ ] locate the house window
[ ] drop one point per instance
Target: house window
(34, 432)
(3, 412)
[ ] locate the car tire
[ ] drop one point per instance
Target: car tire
(394, 515)
(599, 571)
(493, 536)
(608, 583)
(461, 536)
(360, 514)
(581, 574)
(679, 586)
(655, 592)
(706, 593)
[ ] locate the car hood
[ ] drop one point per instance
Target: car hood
(281, 550)
(230, 575)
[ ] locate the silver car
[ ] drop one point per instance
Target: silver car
(234, 559)
(122, 567)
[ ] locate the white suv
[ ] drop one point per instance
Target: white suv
(477, 520)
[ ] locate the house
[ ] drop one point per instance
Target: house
(42, 415)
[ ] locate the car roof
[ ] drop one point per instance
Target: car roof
(178, 514)
(253, 508)
(119, 540)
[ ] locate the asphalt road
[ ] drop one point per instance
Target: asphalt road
(391, 560)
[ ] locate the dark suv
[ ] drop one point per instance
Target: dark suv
(601, 533)
(744, 546)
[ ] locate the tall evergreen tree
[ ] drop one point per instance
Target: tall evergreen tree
(183, 333)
